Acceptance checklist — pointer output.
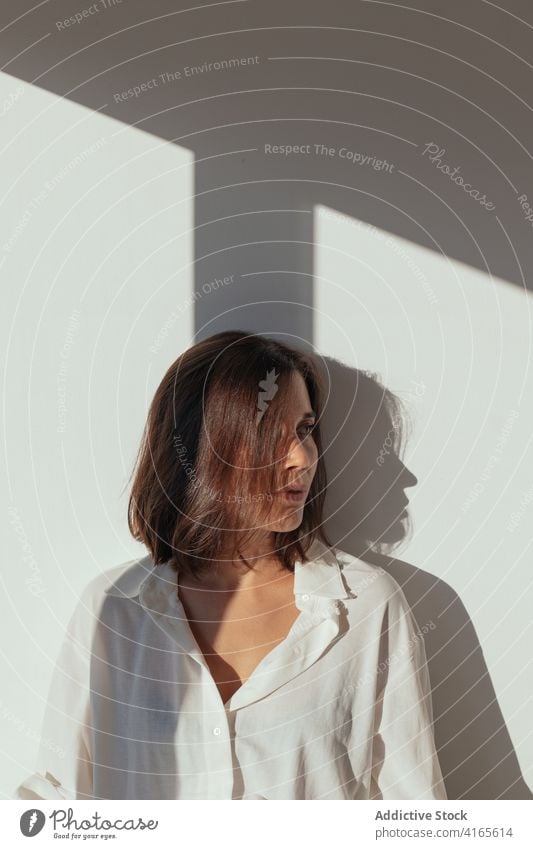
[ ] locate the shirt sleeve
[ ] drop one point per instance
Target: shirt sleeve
(63, 768)
(404, 759)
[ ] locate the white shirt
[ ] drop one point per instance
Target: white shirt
(340, 709)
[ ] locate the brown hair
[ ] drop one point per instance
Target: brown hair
(206, 442)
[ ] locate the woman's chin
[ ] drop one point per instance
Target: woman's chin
(289, 523)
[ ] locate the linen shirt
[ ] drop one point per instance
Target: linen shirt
(340, 709)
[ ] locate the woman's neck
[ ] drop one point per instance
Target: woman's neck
(230, 573)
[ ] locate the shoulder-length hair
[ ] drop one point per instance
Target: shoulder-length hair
(211, 455)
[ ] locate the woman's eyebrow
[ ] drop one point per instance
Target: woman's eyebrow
(310, 414)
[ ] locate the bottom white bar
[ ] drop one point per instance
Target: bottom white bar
(287, 823)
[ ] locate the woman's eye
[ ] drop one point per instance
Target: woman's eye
(305, 430)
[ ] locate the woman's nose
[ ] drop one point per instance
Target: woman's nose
(297, 455)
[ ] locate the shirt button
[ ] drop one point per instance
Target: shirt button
(297, 650)
(217, 730)
(305, 597)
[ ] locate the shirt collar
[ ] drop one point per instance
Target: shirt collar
(320, 576)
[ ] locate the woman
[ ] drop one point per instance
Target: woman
(243, 657)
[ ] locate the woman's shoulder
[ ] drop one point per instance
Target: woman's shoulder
(123, 580)
(89, 609)
(367, 580)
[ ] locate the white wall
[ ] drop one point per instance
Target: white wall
(96, 255)
(456, 346)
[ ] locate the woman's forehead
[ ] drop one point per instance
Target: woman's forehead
(298, 394)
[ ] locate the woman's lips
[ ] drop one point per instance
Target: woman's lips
(294, 496)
